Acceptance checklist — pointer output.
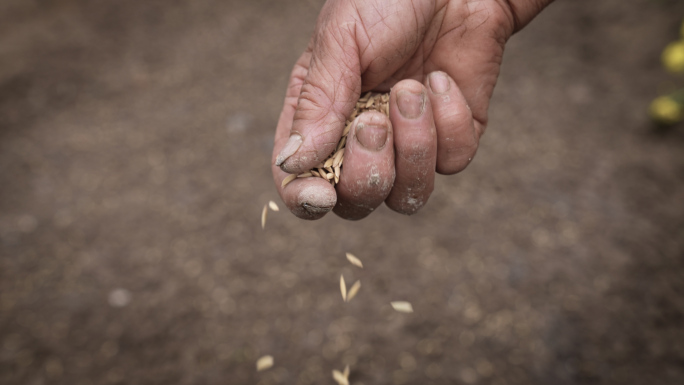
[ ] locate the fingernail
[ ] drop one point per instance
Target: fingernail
(372, 137)
(439, 83)
(290, 148)
(411, 105)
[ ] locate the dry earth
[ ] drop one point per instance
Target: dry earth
(135, 141)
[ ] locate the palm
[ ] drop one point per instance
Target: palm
(464, 39)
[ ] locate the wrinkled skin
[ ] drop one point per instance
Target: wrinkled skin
(439, 58)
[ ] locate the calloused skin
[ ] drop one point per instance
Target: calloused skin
(439, 58)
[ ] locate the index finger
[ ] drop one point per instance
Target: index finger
(307, 198)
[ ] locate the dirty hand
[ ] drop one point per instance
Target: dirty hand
(440, 58)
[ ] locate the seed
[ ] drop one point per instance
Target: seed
(264, 363)
(288, 179)
(264, 213)
(343, 288)
(402, 306)
(354, 261)
(337, 158)
(339, 378)
(353, 290)
(273, 206)
(305, 174)
(369, 102)
(346, 371)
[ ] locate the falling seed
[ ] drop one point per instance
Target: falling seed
(402, 306)
(346, 372)
(288, 179)
(354, 261)
(264, 363)
(339, 378)
(264, 213)
(273, 206)
(353, 290)
(343, 288)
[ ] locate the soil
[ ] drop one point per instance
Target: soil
(135, 141)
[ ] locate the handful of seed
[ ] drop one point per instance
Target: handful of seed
(331, 168)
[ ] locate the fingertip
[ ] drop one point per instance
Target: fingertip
(368, 171)
(457, 137)
(314, 199)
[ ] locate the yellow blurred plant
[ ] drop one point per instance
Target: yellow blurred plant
(669, 109)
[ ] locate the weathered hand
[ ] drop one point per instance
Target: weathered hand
(440, 58)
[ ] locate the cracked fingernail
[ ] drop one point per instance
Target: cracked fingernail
(290, 148)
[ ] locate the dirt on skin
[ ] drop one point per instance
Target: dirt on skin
(135, 143)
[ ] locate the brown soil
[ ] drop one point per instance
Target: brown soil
(135, 141)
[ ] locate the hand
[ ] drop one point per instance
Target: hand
(440, 58)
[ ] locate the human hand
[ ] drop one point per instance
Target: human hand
(440, 58)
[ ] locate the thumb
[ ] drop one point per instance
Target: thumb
(327, 97)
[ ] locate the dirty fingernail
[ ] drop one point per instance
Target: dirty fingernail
(411, 105)
(290, 148)
(372, 137)
(439, 83)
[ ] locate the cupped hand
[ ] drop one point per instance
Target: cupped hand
(439, 58)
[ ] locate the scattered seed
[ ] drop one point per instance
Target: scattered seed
(354, 261)
(402, 306)
(339, 378)
(273, 206)
(288, 179)
(264, 363)
(264, 213)
(343, 288)
(353, 290)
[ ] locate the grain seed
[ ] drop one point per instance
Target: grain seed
(273, 206)
(402, 306)
(288, 179)
(339, 378)
(354, 261)
(343, 288)
(346, 372)
(264, 213)
(264, 363)
(337, 158)
(305, 174)
(353, 290)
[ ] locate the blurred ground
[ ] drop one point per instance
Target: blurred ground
(135, 138)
